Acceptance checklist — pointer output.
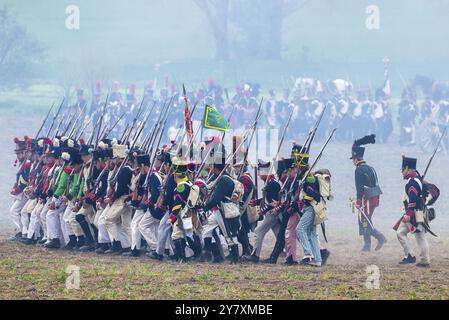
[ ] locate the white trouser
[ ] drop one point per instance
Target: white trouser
(54, 223)
(420, 236)
(212, 223)
(66, 221)
(15, 210)
(25, 214)
(148, 227)
(136, 236)
(35, 224)
(103, 236)
(43, 219)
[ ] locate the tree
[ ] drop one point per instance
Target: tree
(248, 29)
(20, 52)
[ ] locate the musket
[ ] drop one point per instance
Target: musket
(55, 116)
(280, 144)
(145, 141)
(132, 147)
(149, 140)
(145, 184)
(250, 140)
(44, 121)
(77, 119)
(138, 114)
(108, 131)
(101, 119)
(434, 152)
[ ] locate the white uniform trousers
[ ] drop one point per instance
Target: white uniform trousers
(16, 208)
(136, 236)
(148, 228)
(420, 236)
(35, 224)
(103, 236)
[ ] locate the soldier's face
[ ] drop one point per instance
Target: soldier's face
(405, 172)
(86, 158)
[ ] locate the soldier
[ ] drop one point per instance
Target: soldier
(165, 203)
(177, 217)
(306, 229)
(20, 185)
(148, 225)
(223, 199)
(413, 219)
(56, 228)
(49, 162)
(117, 220)
(86, 215)
(368, 194)
(270, 200)
(138, 201)
(245, 225)
(70, 198)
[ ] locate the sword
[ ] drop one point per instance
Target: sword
(362, 212)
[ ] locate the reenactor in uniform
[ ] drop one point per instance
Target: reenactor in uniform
(413, 219)
(58, 203)
(368, 194)
(20, 185)
(178, 210)
(118, 218)
(269, 201)
(149, 224)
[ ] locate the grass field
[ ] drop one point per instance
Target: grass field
(37, 273)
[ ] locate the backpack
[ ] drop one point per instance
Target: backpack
(238, 191)
(324, 180)
(431, 193)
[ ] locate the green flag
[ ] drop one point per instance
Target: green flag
(213, 120)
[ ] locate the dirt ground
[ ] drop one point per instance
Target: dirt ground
(36, 273)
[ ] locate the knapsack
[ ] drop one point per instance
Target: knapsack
(324, 180)
(238, 191)
(431, 193)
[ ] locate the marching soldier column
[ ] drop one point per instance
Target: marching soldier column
(131, 196)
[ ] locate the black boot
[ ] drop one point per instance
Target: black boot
(71, 244)
(154, 255)
(115, 249)
(102, 248)
(180, 250)
(94, 228)
(132, 253)
(53, 244)
(195, 245)
(80, 242)
(234, 253)
(87, 247)
(290, 262)
(366, 240)
(381, 240)
(88, 238)
(408, 259)
(252, 258)
(243, 238)
(324, 255)
(216, 253)
(16, 237)
(206, 254)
